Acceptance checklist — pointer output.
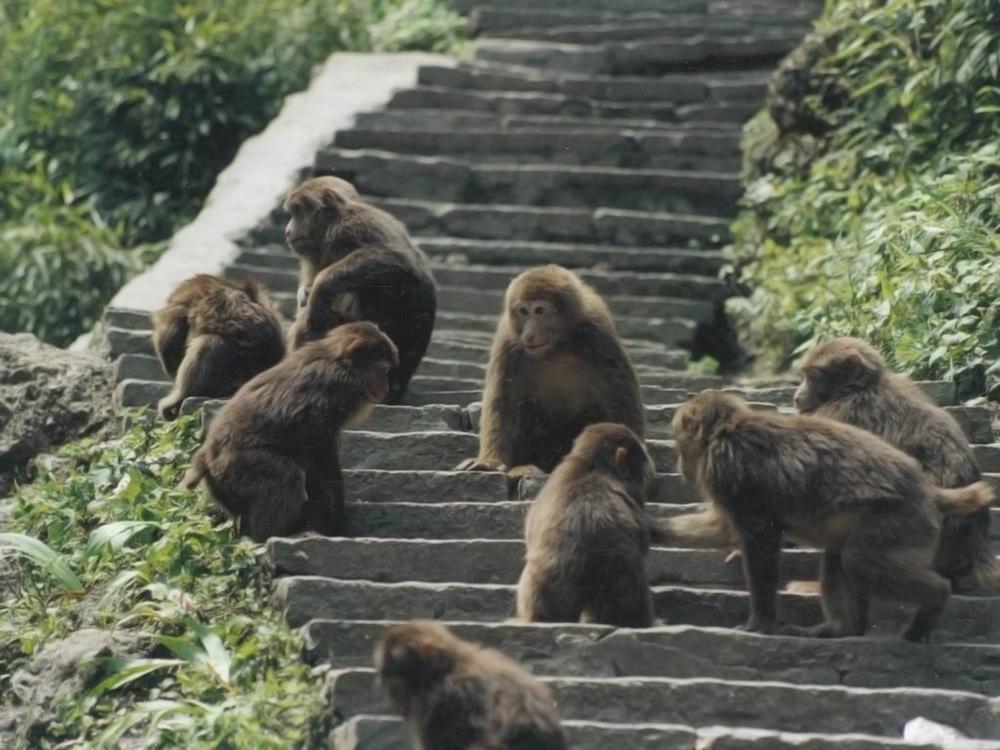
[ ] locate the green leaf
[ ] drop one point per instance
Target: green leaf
(44, 556)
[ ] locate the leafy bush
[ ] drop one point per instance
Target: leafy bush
(223, 671)
(136, 106)
(873, 207)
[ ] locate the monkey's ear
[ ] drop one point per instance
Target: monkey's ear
(332, 199)
(354, 344)
(620, 459)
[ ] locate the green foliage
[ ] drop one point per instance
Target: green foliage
(875, 210)
(123, 113)
(222, 668)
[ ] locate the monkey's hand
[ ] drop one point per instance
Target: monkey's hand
(169, 408)
(477, 464)
(525, 470)
(757, 625)
(303, 296)
(736, 555)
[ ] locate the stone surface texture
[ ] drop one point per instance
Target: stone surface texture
(603, 135)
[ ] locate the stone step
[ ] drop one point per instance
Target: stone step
(491, 561)
(666, 30)
(690, 117)
(617, 6)
(377, 732)
(384, 518)
(705, 702)
(546, 104)
(305, 598)
(445, 179)
(717, 152)
(649, 56)
(683, 651)
(681, 88)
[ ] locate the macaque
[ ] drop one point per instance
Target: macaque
(830, 486)
(456, 695)
(270, 456)
(587, 535)
(356, 262)
(556, 365)
(846, 379)
(213, 336)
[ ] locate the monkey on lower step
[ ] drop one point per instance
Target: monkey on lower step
(271, 454)
(358, 263)
(455, 695)
(868, 506)
(212, 336)
(587, 535)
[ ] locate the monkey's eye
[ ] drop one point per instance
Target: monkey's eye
(539, 310)
(522, 310)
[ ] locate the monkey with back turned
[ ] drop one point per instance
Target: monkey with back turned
(827, 485)
(212, 336)
(456, 695)
(270, 455)
(587, 535)
(356, 262)
(556, 365)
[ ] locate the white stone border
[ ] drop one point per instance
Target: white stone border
(268, 164)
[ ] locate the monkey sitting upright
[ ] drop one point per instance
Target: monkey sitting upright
(827, 485)
(456, 695)
(357, 262)
(587, 535)
(846, 379)
(212, 336)
(270, 456)
(556, 365)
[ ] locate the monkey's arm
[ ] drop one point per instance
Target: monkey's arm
(496, 428)
(706, 529)
(170, 338)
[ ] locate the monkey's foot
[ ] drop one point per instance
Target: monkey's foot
(169, 408)
(757, 625)
(736, 555)
(823, 630)
(917, 635)
(526, 470)
(474, 464)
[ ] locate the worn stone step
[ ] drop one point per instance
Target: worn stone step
(667, 31)
(681, 88)
(446, 179)
(655, 55)
(686, 651)
(304, 598)
(379, 732)
(705, 702)
(490, 561)
(671, 360)
(692, 116)
(618, 6)
(635, 150)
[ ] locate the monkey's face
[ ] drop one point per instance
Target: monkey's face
(305, 229)
(812, 392)
(539, 325)
(410, 659)
(376, 381)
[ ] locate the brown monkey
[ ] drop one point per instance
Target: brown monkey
(828, 485)
(587, 535)
(457, 695)
(556, 365)
(270, 456)
(213, 336)
(357, 262)
(846, 379)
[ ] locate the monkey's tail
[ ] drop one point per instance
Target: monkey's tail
(251, 288)
(964, 500)
(197, 472)
(706, 529)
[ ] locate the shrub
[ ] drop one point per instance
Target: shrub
(873, 206)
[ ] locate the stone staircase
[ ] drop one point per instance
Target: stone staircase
(602, 135)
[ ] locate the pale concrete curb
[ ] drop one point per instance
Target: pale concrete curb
(268, 165)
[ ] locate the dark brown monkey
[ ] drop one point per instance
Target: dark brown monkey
(846, 379)
(587, 535)
(213, 336)
(270, 456)
(827, 485)
(457, 695)
(556, 365)
(357, 262)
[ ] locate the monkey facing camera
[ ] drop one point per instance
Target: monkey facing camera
(270, 457)
(556, 365)
(356, 262)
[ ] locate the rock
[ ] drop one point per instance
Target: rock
(61, 670)
(48, 396)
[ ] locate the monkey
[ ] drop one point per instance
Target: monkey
(356, 262)
(556, 365)
(867, 505)
(212, 336)
(847, 379)
(456, 695)
(270, 455)
(587, 535)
